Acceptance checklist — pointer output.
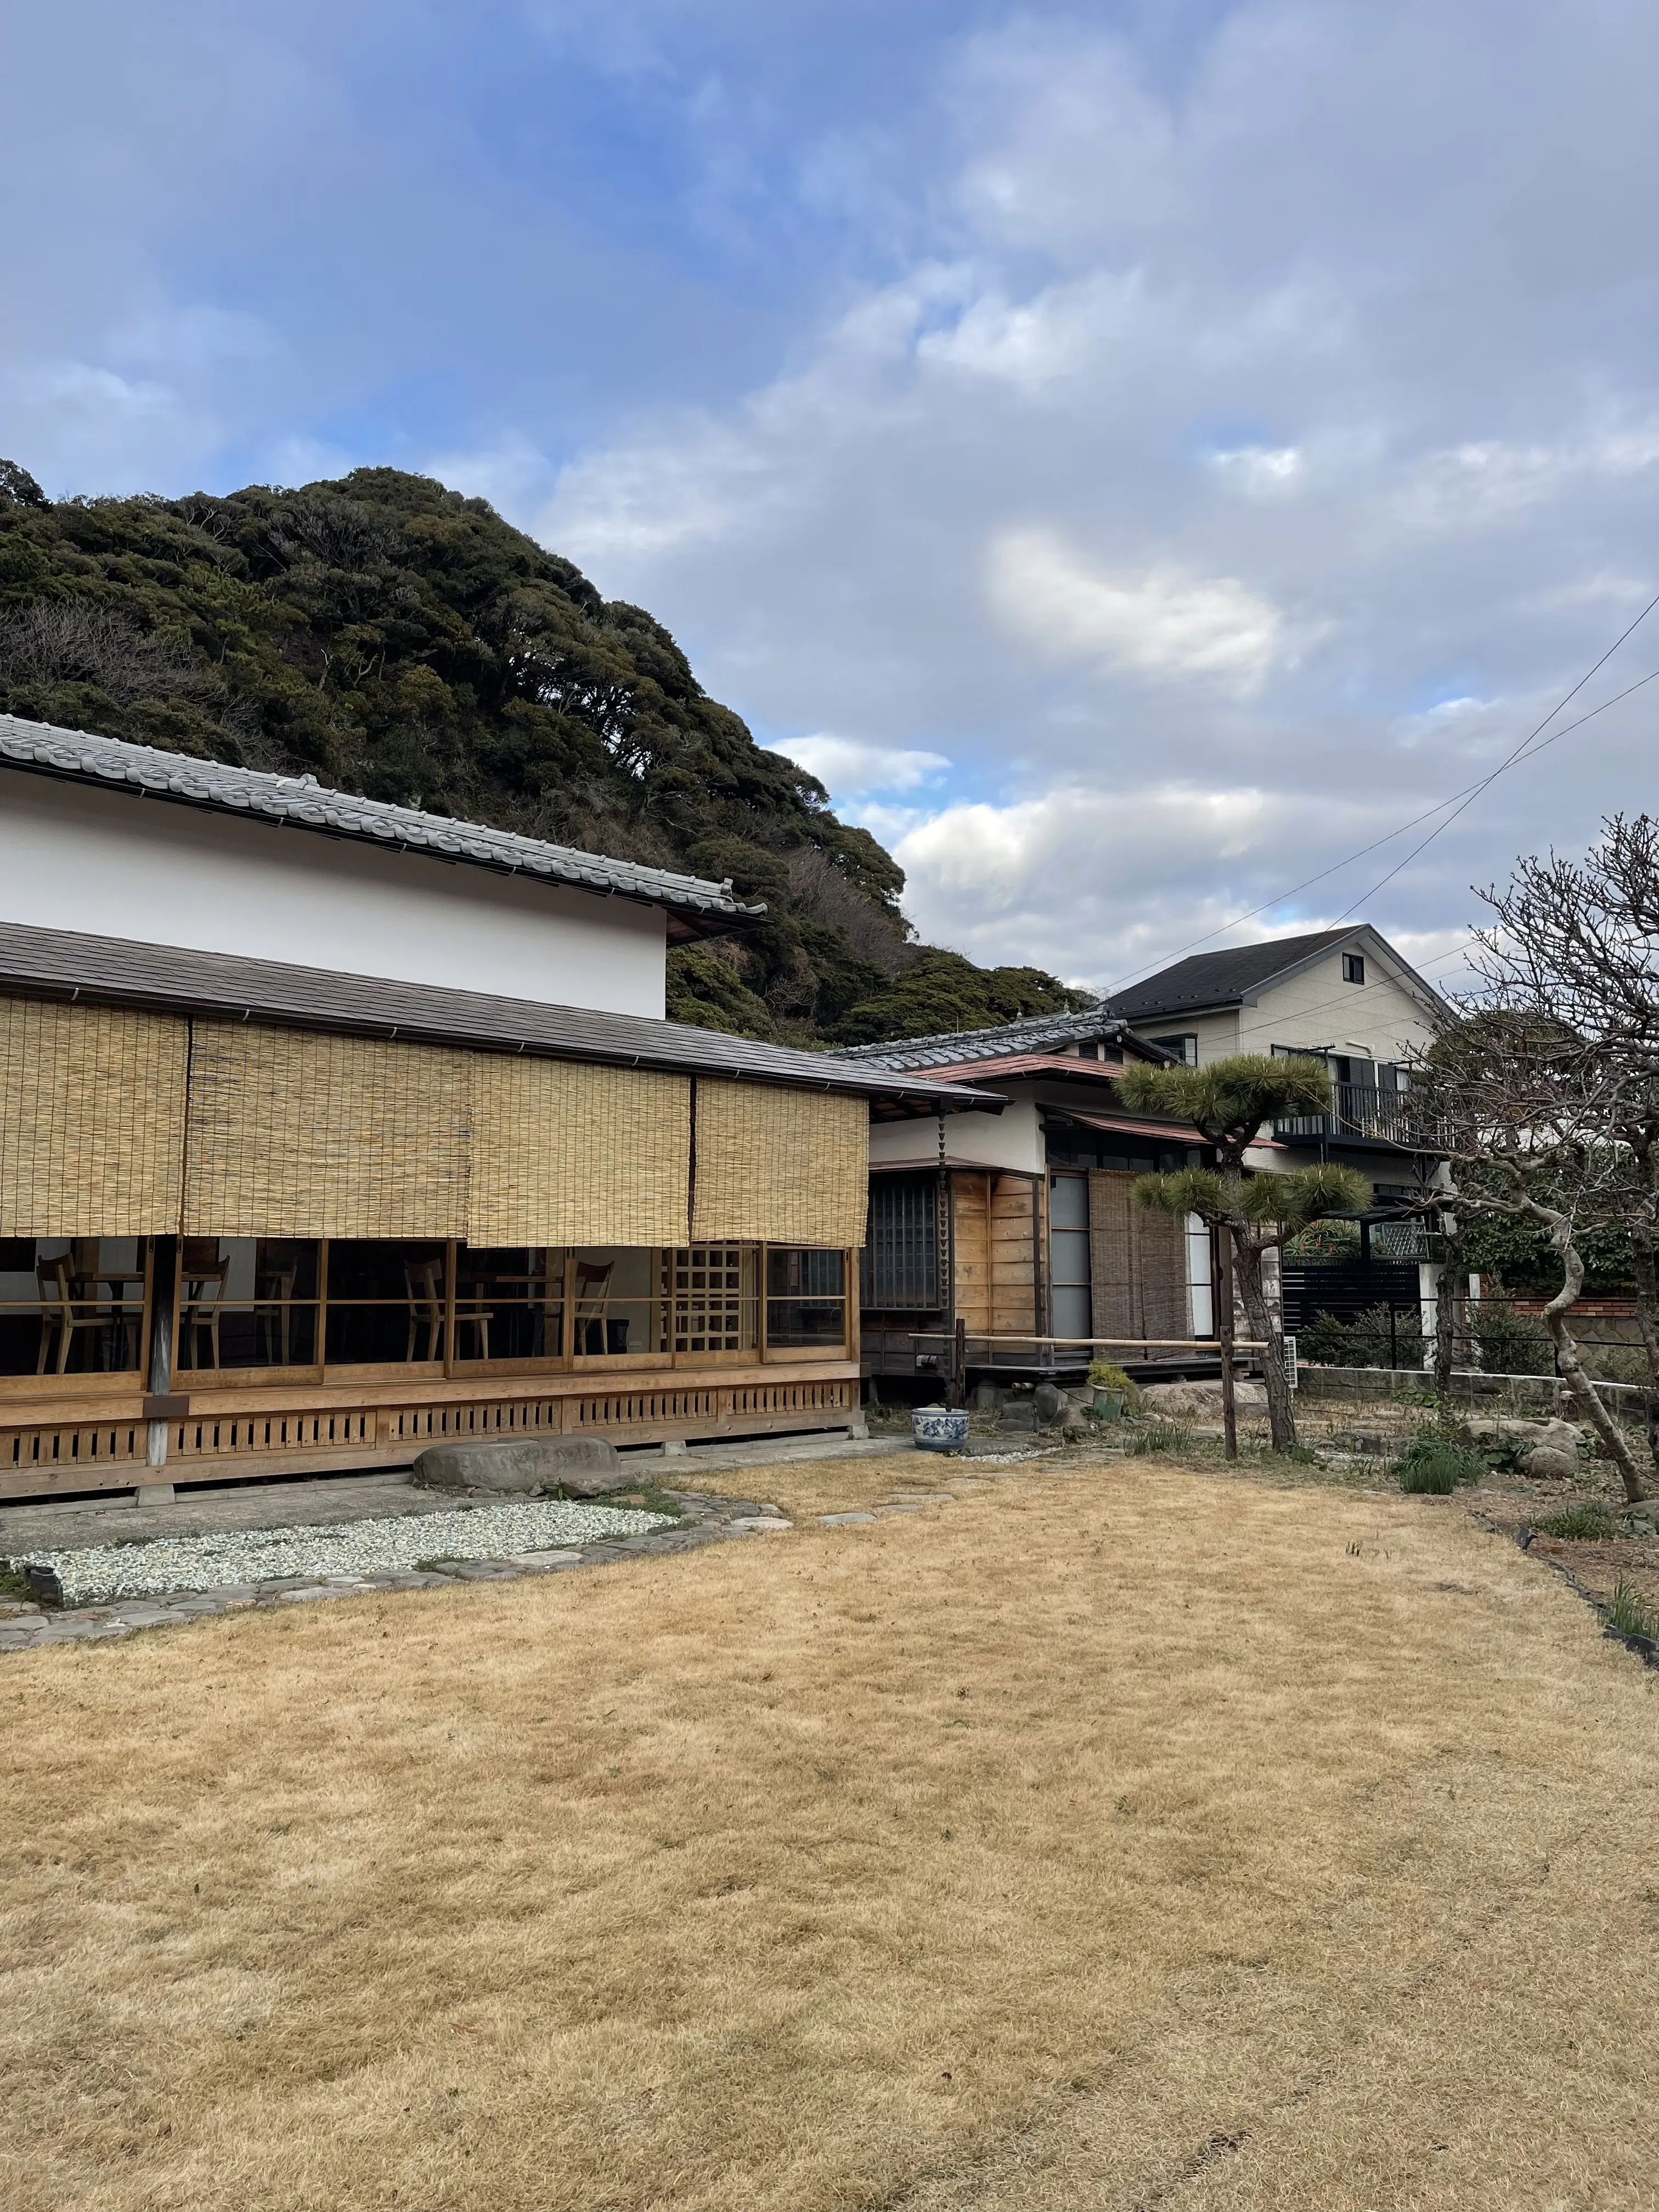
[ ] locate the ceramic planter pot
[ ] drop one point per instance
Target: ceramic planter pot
(1109, 1404)
(935, 1428)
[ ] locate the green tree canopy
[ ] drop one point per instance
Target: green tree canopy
(397, 639)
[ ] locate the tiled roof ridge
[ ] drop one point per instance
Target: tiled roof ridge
(305, 803)
(944, 1048)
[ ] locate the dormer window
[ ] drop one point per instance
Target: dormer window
(1353, 967)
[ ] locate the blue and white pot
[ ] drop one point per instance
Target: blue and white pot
(937, 1429)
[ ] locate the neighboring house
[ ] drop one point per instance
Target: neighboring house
(330, 1128)
(1018, 1227)
(1348, 997)
(1344, 996)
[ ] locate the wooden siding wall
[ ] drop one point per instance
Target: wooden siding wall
(995, 1218)
(1137, 1262)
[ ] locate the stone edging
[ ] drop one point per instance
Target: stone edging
(1644, 1647)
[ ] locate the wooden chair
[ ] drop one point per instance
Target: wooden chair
(60, 1292)
(425, 1282)
(596, 1331)
(202, 1283)
(273, 1313)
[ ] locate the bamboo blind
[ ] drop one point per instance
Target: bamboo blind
(92, 1120)
(788, 1167)
(566, 1153)
(1137, 1261)
(297, 1133)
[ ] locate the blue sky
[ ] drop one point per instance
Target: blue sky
(1134, 453)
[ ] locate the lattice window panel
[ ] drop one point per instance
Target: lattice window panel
(709, 1298)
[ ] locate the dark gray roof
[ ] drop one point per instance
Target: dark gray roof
(301, 803)
(61, 964)
(1219, 978)
(952, 1046)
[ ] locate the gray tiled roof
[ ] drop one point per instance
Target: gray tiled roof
(953, 1047)
(301, 803)
(1217, 979)
(172, 979)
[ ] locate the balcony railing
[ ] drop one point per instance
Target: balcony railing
(1360, 1110)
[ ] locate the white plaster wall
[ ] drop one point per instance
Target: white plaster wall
(1013, 1139)
(1377, 1019)
(114, 866)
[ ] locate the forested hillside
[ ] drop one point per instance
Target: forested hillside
(400, 641)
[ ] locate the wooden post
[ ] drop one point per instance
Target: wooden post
(1229, 1400)
(957, 1393)
(163, 1298)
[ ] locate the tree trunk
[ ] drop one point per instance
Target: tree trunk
(1580, 1388)
(1445, 1310)
(1282, 1415)
(1647, 1316)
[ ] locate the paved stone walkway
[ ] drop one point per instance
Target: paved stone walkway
(703, 1520)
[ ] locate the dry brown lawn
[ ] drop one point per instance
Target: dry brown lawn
(1127, 1838)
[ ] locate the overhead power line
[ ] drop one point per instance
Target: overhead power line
(1458, 802)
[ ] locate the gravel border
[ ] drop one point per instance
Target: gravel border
(316, 1551)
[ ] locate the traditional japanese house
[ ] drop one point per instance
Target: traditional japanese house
(1006, 1245)
(329, 1128)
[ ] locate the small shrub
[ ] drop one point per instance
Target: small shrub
(1366, 1341)
(1510, 1343)
(1587, 1524)
(1629, 1611)
(1160, 1436)
(1103, 1376)
(1433, 1467)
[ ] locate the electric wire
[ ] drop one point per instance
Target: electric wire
(1458, 801)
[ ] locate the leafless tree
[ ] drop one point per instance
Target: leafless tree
(824, 894)
(1522, 1105)
(75, 641)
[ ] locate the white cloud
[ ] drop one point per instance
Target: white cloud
(850, 769)
(1261, 471)
(1159, 623)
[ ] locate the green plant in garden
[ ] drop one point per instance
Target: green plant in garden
(1103, 1376)
(1159, 1436)
(1434, 1465)
(1587, 1524)
(1629, 1611)
(1229, 1103)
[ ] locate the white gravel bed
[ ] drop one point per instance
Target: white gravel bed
(350, 1548)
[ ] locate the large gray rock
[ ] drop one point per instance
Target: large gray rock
(1185, 1401)
(586, 1467)
(1547, 1463)
(1047, 1402)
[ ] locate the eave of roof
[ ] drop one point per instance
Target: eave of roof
(953, 1048)
(1031, 1063)
(168, 979)
(695, 906)
(1126, 1125)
